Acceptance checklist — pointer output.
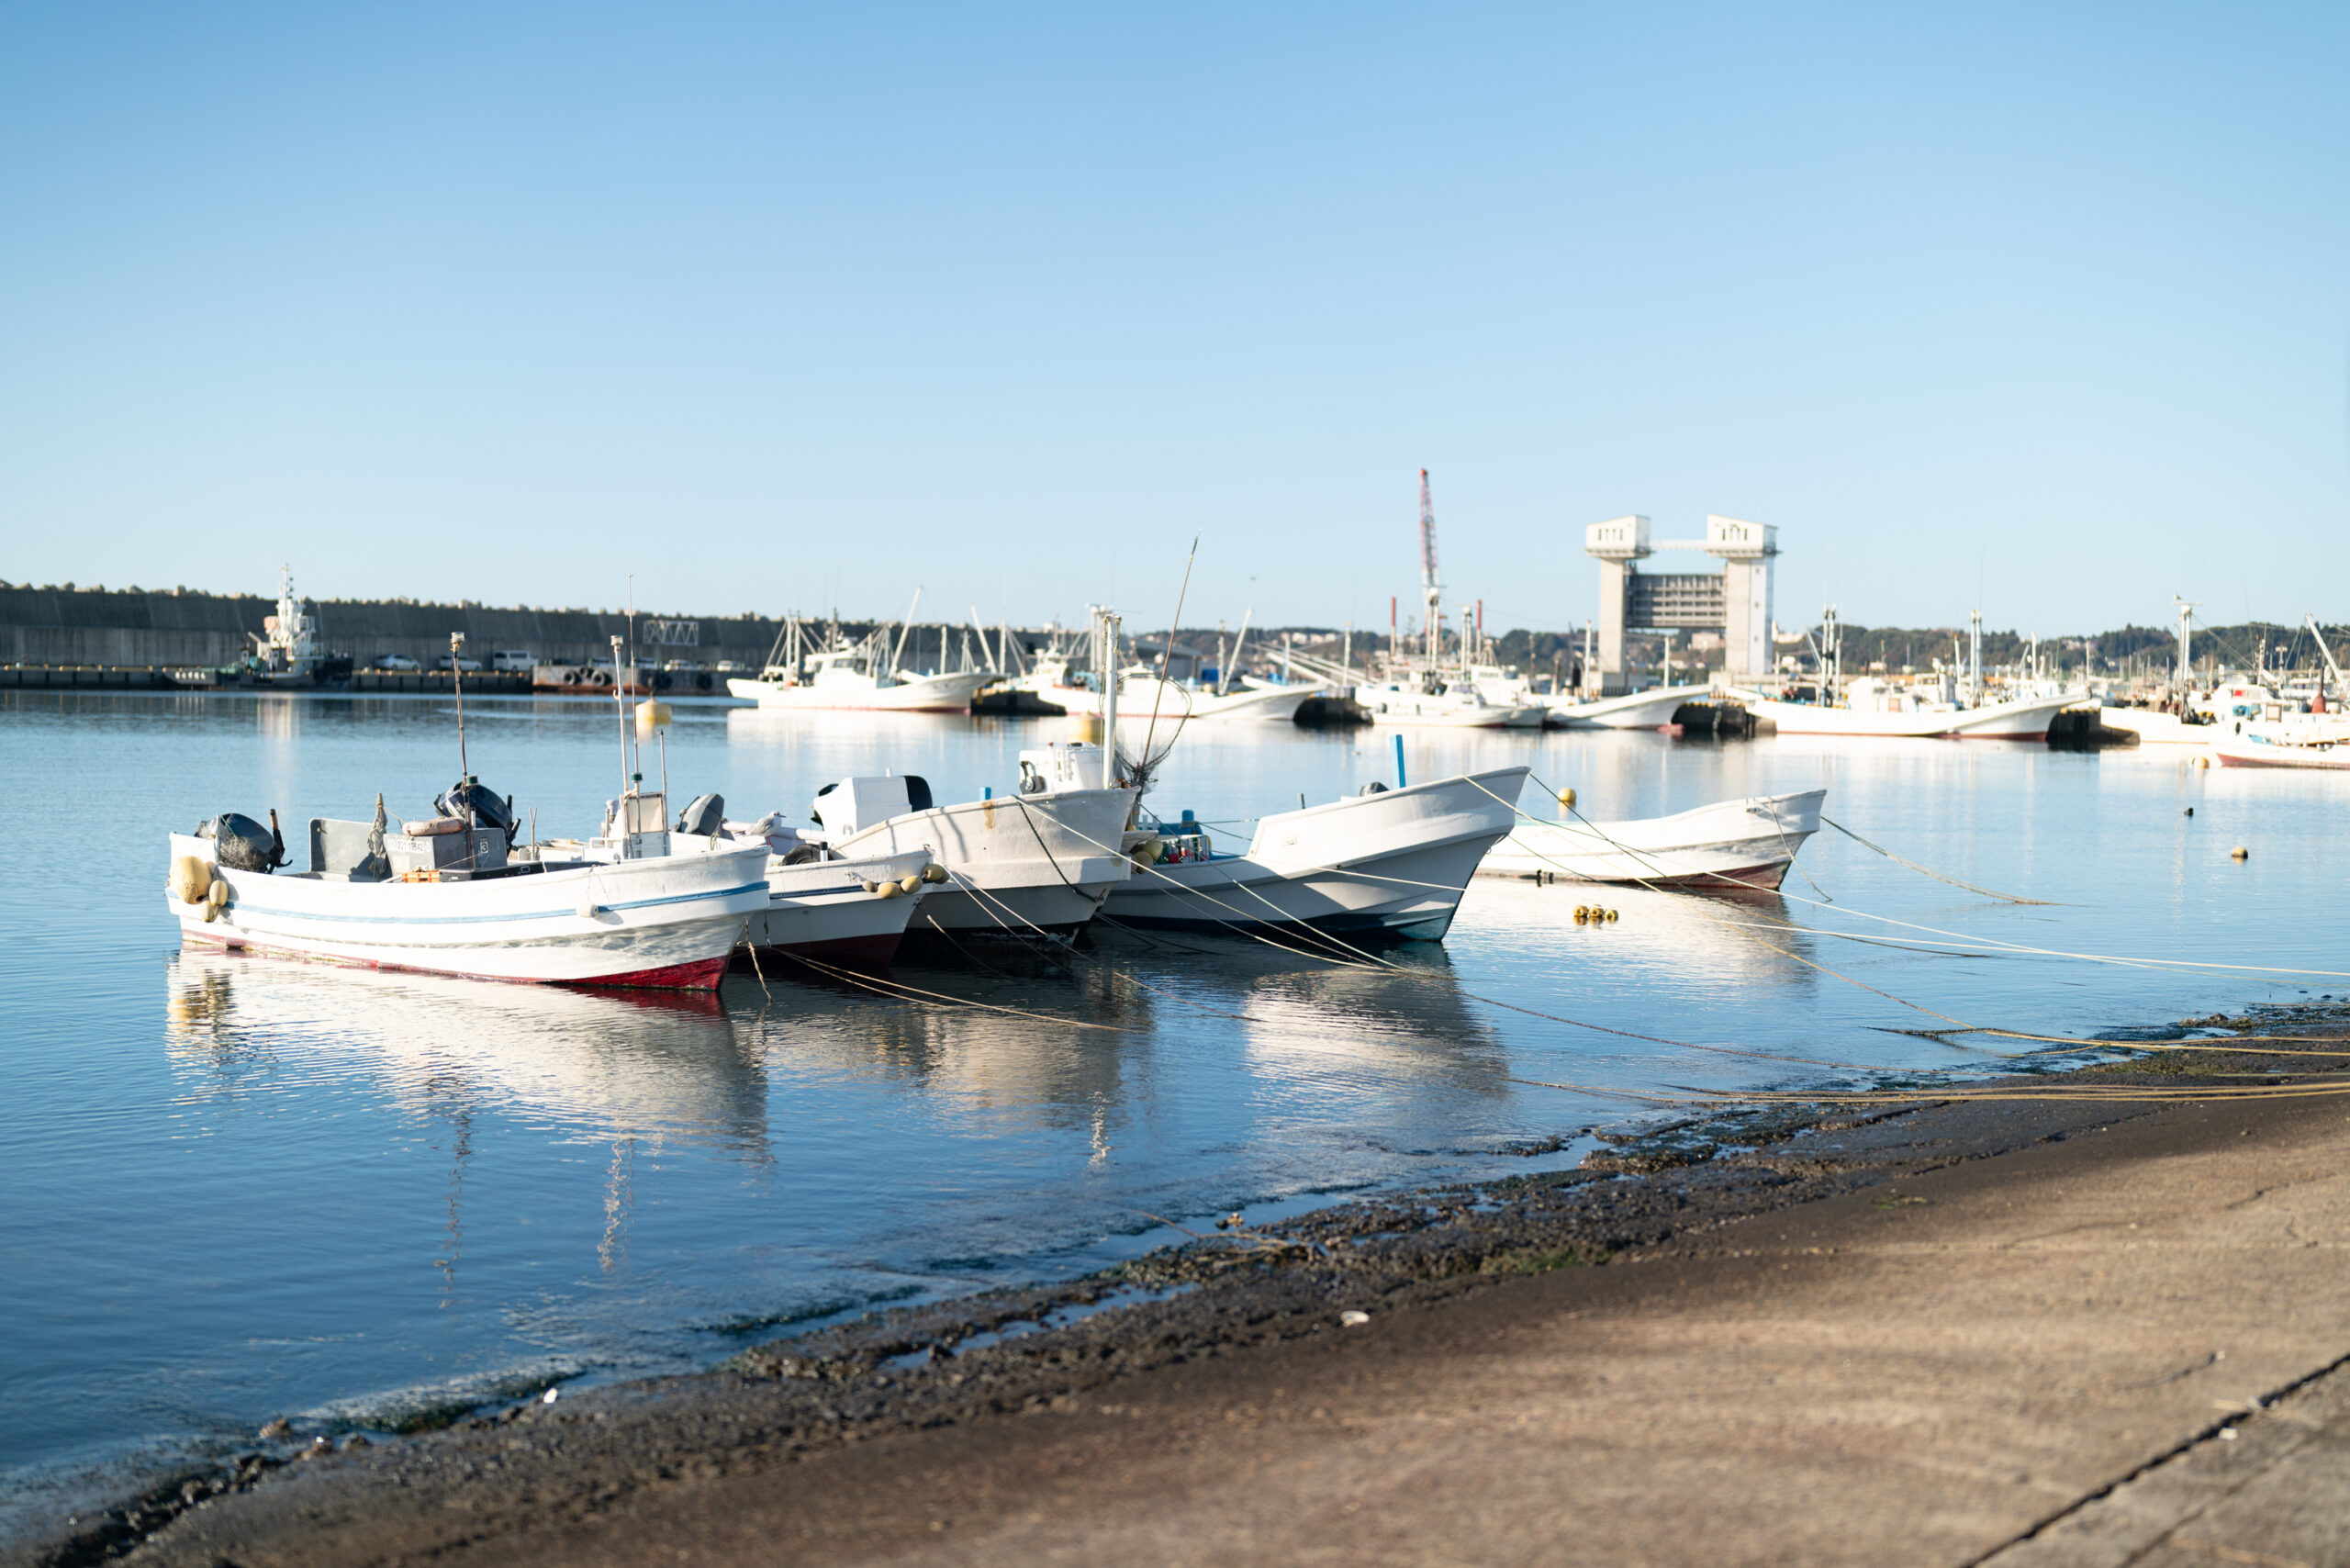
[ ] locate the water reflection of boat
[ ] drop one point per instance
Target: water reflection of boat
(1727, 938)
(639, 1063)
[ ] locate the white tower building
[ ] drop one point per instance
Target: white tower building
(1735, 602)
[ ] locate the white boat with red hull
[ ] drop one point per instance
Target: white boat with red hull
(444, 898)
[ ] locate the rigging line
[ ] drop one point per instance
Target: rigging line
(1752, 925)
(2068, 1045)
(904, 992)
(1556, 1018)
(1237, 926)
(1166, 654)
(1923, 871)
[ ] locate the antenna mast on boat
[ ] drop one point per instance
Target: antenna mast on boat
(1428, 588)
(619, 709)
(457, 674)
(1974, 658)
(900, 648)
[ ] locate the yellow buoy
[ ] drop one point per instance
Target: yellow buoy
(933, 873)
(910, 884)
(652, 714)
(1150, 851)
(888, 891)
(1085, 727)
(191, 878)
(2239, 853)
(1611, 915)
(1566, 800)
(1583, 913)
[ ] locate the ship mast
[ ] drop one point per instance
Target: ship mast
(1430, 590)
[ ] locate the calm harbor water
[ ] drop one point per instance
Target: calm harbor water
(243, 1188)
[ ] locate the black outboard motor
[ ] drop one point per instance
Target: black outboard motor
(468, 798)
(704, 814)
(243, 845)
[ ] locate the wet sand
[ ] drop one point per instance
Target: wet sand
(2029, 1332)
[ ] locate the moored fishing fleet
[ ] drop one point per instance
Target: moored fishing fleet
(661, 899)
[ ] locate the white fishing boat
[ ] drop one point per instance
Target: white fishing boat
(867, 675)
(849, 677)
(1144, 698)
(1049, 688)
(443, 897)
(1871, 708)
(1041, 859)
(1383, 863)
(286, 650)
(1439, 705)
(1748, 842)
(2259, 747)
(1640, 711)
(820, 905)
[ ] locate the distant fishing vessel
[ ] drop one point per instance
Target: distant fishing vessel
(1424, 703)
(1750, 843)
(2256, 748)
(286, 650)
(1640, 711)
(799, 674)
(1867, 706)
(1144, 696)
(1385, 862)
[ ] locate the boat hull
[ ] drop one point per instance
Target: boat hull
(1750, 843)
(1015, 865)
(1642, 711)
(928, 694)
(1394, 864)
(821, 910)
(1140, 700)
(1442, 711)
(2250, 751)
(2025, 720)
(664, 924)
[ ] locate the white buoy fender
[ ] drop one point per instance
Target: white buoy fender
(933, 873)
(218, 893)
(652, 714)
(888, 891)
(910, 884)
(191, 878)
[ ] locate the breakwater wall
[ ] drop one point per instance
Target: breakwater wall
(98, 627)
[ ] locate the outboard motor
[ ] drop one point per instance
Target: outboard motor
(704, 814)
(243, 845)
(468, 798)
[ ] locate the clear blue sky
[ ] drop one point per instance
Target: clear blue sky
(2043, 306)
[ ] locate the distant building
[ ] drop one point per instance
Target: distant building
(1733, 603)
